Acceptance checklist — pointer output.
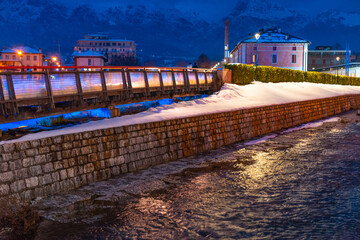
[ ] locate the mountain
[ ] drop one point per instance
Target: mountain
(165, 32)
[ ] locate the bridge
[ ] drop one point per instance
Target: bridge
(48, 90)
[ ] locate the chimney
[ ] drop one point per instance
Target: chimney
(40, 50)
(226, 49)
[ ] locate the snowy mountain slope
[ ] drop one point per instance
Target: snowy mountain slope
(161, 31)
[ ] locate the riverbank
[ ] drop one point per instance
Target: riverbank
(123, 206)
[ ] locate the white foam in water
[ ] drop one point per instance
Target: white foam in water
(231, 97)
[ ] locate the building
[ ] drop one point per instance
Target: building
(326, 56)
(21, 56)
(89, 58)
(112, 48)
(354, 69)
(272, 48)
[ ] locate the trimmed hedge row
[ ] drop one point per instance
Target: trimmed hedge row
(243, 74)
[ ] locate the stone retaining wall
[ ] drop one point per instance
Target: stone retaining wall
(43, 167)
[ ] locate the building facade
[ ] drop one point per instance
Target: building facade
(111, 48)
(272, 48)
(22, 56)
(325, 56)
(340, 70)
(88, 58)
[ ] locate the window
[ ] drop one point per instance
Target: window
(255, 48)
(313, 61)
(274, 58)
(114, 44)
(13, 57)
(293, 58)
(90, 44)
(35, 58)
(274, 48)
(89, 61)
(6, 56)
(28, 58)
(294, 48)
(254, 58)
(96, 44)
(324, 61)
(99, 44)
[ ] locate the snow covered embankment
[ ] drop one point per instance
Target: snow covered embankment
(231, 97)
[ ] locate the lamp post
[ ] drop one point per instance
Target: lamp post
(337, 69)
(20, 53)
(257, 36)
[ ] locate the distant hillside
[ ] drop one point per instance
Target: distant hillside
(165, 32)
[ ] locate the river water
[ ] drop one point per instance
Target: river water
(299, 185)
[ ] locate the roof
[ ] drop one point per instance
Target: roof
(88, 53)
(23, 49)
(275, 35)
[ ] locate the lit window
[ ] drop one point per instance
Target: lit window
(274, 58)
(293, 58)
(274, 48)
(294, 48)
(254, 58)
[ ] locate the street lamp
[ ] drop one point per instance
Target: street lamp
(337, 67)
(19, 53)
(257, 36)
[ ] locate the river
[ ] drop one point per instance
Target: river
(303, 184)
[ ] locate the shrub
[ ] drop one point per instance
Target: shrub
(244, 74)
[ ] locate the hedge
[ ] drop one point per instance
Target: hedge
(243, 74)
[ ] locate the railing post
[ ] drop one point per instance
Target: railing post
(131, 94)
(146, 83)
(161, 83)
(49, 91)
(12, 94)
(2, 98)
(186, 81)
(174, 82)
(103, 85)
(125, 93)
(197, 81)
(79, 88)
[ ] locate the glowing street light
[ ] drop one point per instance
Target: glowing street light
(54, 59)
(19, 53)
(257, 36)
(337, 68)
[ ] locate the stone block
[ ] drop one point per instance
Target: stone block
(48, 167)
(63, 174)
(4, 167)
(35, 170)
(6, 177)
(17, 186)
(4, 190)
(32, 182)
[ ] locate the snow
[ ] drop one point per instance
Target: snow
(231, 97)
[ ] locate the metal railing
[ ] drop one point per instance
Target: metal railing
(52, 87)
